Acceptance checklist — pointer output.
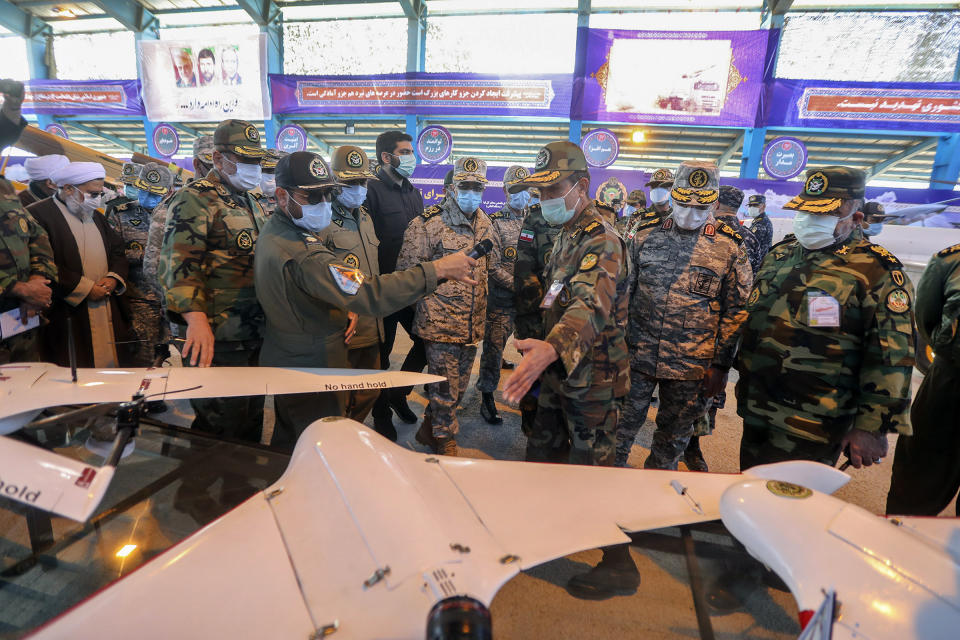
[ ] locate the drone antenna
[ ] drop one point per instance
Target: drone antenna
(71, 348)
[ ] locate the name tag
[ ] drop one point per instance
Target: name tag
(822, 310)
(552, 294)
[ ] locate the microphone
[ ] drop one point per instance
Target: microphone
(480, 249)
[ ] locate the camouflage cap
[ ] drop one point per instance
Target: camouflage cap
(305, 170)
(554, 163)
(470, 169)
(130, 172)
(203, 149)
(660, 178)
(637, 198)
(827, 188)
(756, 199)
(515, 174)
(696, 183)
(448, 179)
(239, 137)
(270, 159)
(873, 209)
(351, 163)
(730, 196)
(155, 178)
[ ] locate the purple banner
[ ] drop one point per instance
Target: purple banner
(424, 94)
(689, 77)
(933, 106)
(74, 97)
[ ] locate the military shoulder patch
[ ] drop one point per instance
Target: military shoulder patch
(589, 262)
(352, 261)
(347, 279)
(898, 301)
(727, 230)
(891, 261)
(509, 253)
(526, 235)
(898, 277)
(429, 212)
(24, 227)
(949, 251)
(244, 240)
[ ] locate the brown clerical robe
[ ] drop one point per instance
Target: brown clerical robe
(85, 250)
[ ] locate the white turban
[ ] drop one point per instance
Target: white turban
(77, 173)
(41, 167)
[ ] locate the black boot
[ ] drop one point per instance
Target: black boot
(398, 402)
(384, 426)
(425, 433)
(488, 409)
(616, 575)
(693, 457)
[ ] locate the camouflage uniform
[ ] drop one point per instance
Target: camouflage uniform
(926, 474)
(804, 381)
(24, 252)
(761, 227)
(687, 291)
(132, 222)
(584, 315)
(206, 264)
(500, 311)
(637, 201)
(269, 166)
(451, 320)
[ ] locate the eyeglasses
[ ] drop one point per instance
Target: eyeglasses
(316, 196)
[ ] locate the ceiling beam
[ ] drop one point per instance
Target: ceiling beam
(130, 13)
(120, 142)
(735, 146)
(263, 12)
(21, 22)
(906, 154)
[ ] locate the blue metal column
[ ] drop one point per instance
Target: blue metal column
(580, 60)
(946, 164)
(416, 11)
(274, 33)
(753, 141)
(148, 125)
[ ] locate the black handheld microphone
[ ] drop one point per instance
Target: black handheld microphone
(479, 250)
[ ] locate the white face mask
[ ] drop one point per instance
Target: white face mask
(690, 218)
(815, 232)
(628, 210)
(314, 217)
(518, 200)
(246, 177)
(659, 195)
(408, 162)
(753, 211)
(353, 196)
(555, 209)
(268, 184)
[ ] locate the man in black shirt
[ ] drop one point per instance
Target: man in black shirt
(11, 122)
(392, 203)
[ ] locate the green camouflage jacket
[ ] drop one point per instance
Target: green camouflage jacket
(799, 371)
(24, 247)
(206, 259)
(938, 304)
(506, 230)
(586, 305)
(534, 248)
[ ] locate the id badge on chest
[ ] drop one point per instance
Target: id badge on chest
(822, 310)
(552, 294)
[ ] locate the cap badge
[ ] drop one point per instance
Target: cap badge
(470, 165)
(522, 174)
(153, 176)
(699, 179)
(543, 159)
(252, 134)
(816, 184)
(317, 170)
(354, 159)
(660, 175)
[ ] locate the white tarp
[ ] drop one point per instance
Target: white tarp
(205, 79)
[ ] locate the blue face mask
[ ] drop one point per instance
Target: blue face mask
(468, 201)
(353, 196)
(148, 200)
(518, 200)
(408, 163)
(873, 229)
(555, 209)
(533, 200)
(315, 217)
(131, 191)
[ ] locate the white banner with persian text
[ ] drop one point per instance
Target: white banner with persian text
(205, 79)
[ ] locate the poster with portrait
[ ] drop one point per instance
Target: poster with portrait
(204, 80)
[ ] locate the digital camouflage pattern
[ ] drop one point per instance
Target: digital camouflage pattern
(639, 217)
(750, 243)
(762, 228)
(498, 329)
(454, 362)
(455, 312)
(206, 259)
(817, 382)
(584, 322)
(151, 252)
(534, 248)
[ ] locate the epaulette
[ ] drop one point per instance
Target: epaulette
(603, 205)
(949, 251)
(203, 185)
(429, 212)
(727, 230)
(786, 239)
(646, 223)
(497, 215)
(649, 214)
(122, 207)
(594, 228)
(888, 259)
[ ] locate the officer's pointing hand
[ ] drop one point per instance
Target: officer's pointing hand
(537, 356)
(456, 266)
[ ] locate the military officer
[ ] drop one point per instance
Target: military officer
(206, 271)
(131, 220)
(660, 184)
(583, 357)
(873, 215)
(306, 288)
(761, 227)
(268, 180)
(450, 321)
(635, 206)
(926, 474)
(27, 270)
(689, 281)
(827, 352)
(353, 241)
(506, 227)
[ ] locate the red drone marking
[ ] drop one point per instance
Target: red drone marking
(86, 477)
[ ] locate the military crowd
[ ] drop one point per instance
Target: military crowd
(279, 259)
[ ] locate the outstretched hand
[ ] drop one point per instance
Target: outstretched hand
(537, 356)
